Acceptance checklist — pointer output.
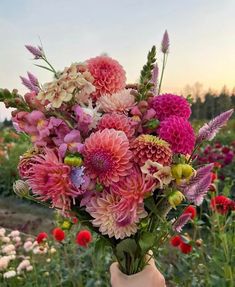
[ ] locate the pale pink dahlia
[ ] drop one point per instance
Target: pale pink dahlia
(132, 190)
(170, 105)
(50, 180)
(109, 75)
(107, 156)
(121, 101)
(118, 122)
(178, 132)
(146, 147)
(103, 208)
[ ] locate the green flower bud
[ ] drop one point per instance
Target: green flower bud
(73, 160)
(187, 171)
(99, 187)
(21, 188)
(66, 224)
(177, 171)
(175, 198)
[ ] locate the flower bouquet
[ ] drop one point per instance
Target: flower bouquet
(119, 156)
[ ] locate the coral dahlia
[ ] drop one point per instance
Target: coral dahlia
(118, 122)
(146, 147)
(118, 102)
(50, 180)
(170, 105)
(103, 208)
(109, 76)
(178, 132)
(107, 156)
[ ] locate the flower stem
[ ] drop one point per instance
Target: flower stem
(162, 73)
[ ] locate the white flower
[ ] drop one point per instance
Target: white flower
(4, 261)
(8, 249)
(29, 268)
(5, 239)
(40, 250)
(52, 250)
(14, 233)
(48, 260)
(93, 113)
(9, 274)
(23, 265)
(2, 232)
(28, 245)
(16, 239)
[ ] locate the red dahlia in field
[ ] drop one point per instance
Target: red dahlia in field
(58, 234)
(170, 105)
(109, 76)
(83, 238)
(221, 204)
(41, 237)
(175, 240)
(185, 248)
(146, 147)
(178, 132)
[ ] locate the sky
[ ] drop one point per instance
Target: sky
(202, 38)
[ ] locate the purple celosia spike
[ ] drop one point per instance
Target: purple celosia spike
(27, 83)
(33, 79)
(165, 43)
(200, 174)
(197, 192)
(36, 51)
(181, 221)
(209, 130)
(154, 79)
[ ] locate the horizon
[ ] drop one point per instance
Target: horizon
(201, 49)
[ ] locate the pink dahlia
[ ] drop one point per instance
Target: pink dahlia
(178, 132)
(121, 101)
(103, 208)
(50, 180)
(118, 122)
(146, 147)
(109, 75)
(107, 156)
(132, 189)
(170, 105)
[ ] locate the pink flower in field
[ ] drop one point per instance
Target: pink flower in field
(178, 132)
(109, 75)
(107, 156)
(118, 122)
(103, 208)
(50, 180)
(4, 262)
(121, 101)
(72, 143)
(58, 130)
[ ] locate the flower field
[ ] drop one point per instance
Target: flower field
(203, 254)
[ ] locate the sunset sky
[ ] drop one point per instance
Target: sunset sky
(201, 34)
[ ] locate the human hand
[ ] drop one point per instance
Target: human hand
(150, 276)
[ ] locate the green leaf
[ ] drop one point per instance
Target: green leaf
(127, 245)
(146, 241)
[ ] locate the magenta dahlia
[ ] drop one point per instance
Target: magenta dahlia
(109, 76)
(146, 147)
(118, 122)
(178, 132)
(107, 156)
(170, 105)
(50, 180)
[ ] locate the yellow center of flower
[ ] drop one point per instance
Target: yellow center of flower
(154, 140)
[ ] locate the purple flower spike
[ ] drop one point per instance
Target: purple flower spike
(33, 79)
(36, 51)
(181, 222)
(154, 79)
(165, 43)
(208, 131)
(27, 83)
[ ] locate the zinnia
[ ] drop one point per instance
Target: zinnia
(41, 237)
(58, 234)
(83, 238)
(221, 204)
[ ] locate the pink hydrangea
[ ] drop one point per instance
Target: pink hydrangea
(178, 132)
(170, 105)
(109, 76)
(118, 122)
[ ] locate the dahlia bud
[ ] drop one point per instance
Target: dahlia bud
(73, 160)
(66, 224)
(182, 171)
(175, 198)
(152, 124)
(176, 171)
(21, 188)
(199, 242)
